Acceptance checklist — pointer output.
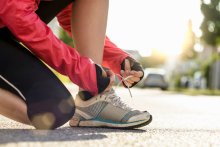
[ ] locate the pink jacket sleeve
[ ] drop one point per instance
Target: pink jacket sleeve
(20, 17)
(113, 56)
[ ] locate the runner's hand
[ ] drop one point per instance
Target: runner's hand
(136, 75)
(111, 75)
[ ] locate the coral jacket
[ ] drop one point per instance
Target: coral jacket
(20, 18)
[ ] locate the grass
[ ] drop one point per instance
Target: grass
(196, 91)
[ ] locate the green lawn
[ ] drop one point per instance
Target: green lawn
(196, 91)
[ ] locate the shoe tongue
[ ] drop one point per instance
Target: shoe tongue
(111, 93)
(85, 95)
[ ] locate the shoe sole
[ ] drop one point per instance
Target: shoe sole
(75, 122)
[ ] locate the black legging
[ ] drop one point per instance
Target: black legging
(49, 103)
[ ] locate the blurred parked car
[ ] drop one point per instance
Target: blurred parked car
(154, 78)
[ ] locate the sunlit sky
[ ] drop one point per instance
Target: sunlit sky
(146, 24)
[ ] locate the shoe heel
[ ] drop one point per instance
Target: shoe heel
(74, 122)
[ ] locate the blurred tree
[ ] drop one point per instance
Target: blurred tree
(211, 23)
(63, 35)
(206, 67)
(210, 33)
(188, 51)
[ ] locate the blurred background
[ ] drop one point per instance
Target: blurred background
(177, 41)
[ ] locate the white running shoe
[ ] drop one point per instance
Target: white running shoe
(107, 110)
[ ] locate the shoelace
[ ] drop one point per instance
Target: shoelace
(126, 84)
(115, 98)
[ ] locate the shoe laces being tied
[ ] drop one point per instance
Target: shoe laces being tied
(125, 82)
(114, 98)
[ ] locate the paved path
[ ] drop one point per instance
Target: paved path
(178, 120)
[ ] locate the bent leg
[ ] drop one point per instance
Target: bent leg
(88, 26)
(49, 103)
(89, 20)
(13, 107)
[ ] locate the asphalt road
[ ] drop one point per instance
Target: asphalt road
(178, 120)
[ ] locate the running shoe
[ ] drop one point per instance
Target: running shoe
(107, 110)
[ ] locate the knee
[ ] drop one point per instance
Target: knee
(51, 114)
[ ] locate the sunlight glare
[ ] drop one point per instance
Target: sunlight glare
(145, 24)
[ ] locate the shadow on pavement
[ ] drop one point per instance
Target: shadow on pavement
(107, 130)
(28, 135)
(62, 134)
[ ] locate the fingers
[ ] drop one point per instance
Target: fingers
(132, 69)
(135, 79)
(136, 76)
(111, 76)
(128, 70)
(137, 73)
(104, 74)
(127, 67)
(129, 81)
(127, 84)
(125, 75)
